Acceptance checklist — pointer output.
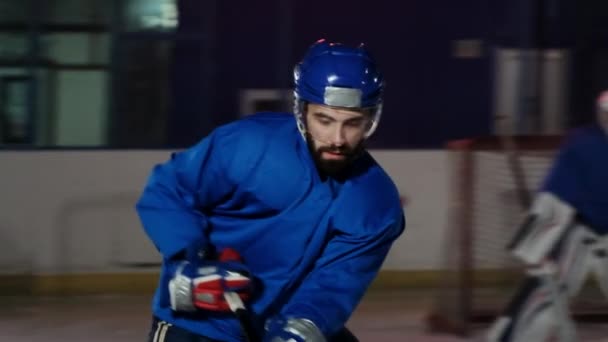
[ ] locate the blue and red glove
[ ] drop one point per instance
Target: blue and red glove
(199, 283)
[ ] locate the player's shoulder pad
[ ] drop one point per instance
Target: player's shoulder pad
(370, 201)
(241, 144)
(245, 139)
(256, 128)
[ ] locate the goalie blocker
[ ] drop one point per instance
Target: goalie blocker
(560, 252)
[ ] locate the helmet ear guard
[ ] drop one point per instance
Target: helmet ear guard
(375, 120)
(334, 75)
(298, 112)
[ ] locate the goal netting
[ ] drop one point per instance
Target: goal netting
(492, 181)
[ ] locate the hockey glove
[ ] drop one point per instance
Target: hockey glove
(200, 283)
(292, 330)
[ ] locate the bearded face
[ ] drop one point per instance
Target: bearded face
(335, 136)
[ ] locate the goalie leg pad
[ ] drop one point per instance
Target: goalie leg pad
(549, 219)
(599, 254)
(536, 313)
(575, 259)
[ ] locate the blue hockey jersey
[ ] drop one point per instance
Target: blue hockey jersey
(314, 245)
(579, 176)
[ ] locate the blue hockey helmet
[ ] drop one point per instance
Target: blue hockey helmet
(336, 75)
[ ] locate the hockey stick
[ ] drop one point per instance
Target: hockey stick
(242, 314)
(235, 303)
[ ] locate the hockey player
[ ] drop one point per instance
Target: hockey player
(310, 213)
(564, 239)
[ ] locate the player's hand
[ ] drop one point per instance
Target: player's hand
(201, 284)
(292, 330)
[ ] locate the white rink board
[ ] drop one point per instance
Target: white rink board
(72, 211)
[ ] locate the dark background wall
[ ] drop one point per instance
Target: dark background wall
(431, 96)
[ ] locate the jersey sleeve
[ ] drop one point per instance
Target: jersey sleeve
(179, 192)
(341, 276)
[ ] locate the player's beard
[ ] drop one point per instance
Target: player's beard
(333, 168)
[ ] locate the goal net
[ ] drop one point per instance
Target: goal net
(492, 181)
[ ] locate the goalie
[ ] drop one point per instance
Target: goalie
(563, 241)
